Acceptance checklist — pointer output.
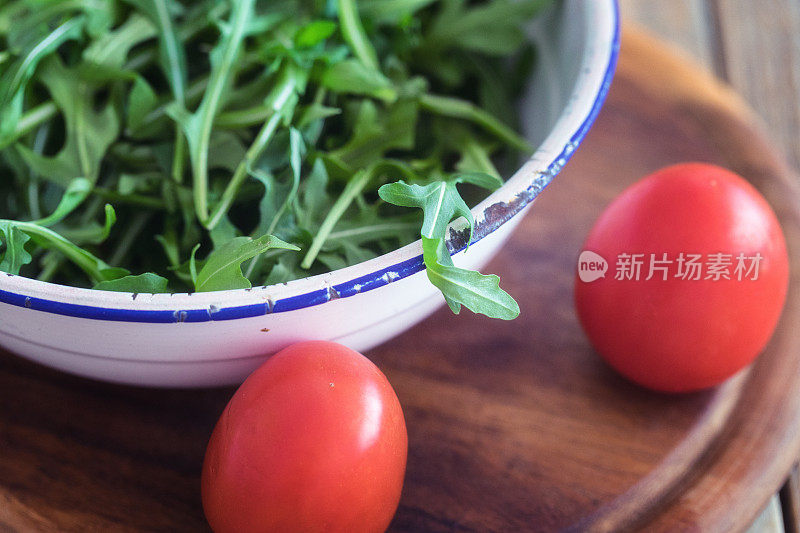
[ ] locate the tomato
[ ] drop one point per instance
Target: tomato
(313, 440)
(687, 327)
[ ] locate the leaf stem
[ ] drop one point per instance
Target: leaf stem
(448, 106)
(83, 259)
(389, 228)
(33, 185)
(239, 175)
(132, 199)
(240, 16)
(244, 118)
(178, 155)
(351, 190)
(175, 60)
(50, 267)
(33, 118)
(81, 137)
(353, 32)
(132, 231)
(282, 104)
(170, 47)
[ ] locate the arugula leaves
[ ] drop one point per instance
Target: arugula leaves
(198, 125)
(353, 77)
(255, 142)
(143, 283)
(479, 293)
(491, 28)
(76, 192)
(441, 203)
(222, 269)
(89, 131)
(16, 77)
(15, 256)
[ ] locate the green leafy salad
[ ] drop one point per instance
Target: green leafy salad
(172, 146)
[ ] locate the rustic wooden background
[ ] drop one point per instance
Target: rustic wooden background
(755, 47)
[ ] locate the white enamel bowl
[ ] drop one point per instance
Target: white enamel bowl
(207, 339)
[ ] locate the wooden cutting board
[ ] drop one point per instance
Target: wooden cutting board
(512, 426)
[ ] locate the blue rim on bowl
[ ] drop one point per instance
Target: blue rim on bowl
(517, 193)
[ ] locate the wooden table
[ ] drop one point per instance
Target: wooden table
(754, 46)
(728, 38)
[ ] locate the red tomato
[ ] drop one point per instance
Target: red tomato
(314, 440)
(680, 333)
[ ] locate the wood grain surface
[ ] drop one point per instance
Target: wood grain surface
(689, 24)
(513, 426)
(754, 46)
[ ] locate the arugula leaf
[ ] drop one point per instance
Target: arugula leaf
(316, 113)
(477, 292)
(225, 151)
(169, 242)
(110, 220)
(475, 156)
(223, 267)
(97, 269)
(197, 126)
(461, 109)
(172, 58)
(355, 238)
(89, 132)
(15, 78)
(223, 233)
(314, 33)
(282, 99)
(354, 34)
(143, 283)
(353, 188)
(15, 256)
(172, 55)
(91, 232)
(491, 27)
(441, 203)
(392, 11)
(353, 77)
(376, 132)
(278, 197)
(142, 100)
(112, 48)
(314, 198)
(285, 269)
(193, 264)
(76, 192)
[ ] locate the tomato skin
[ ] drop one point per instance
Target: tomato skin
(313, 440)
(684, 335)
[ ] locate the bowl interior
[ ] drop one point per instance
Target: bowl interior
(560, 44)
(576, 43)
